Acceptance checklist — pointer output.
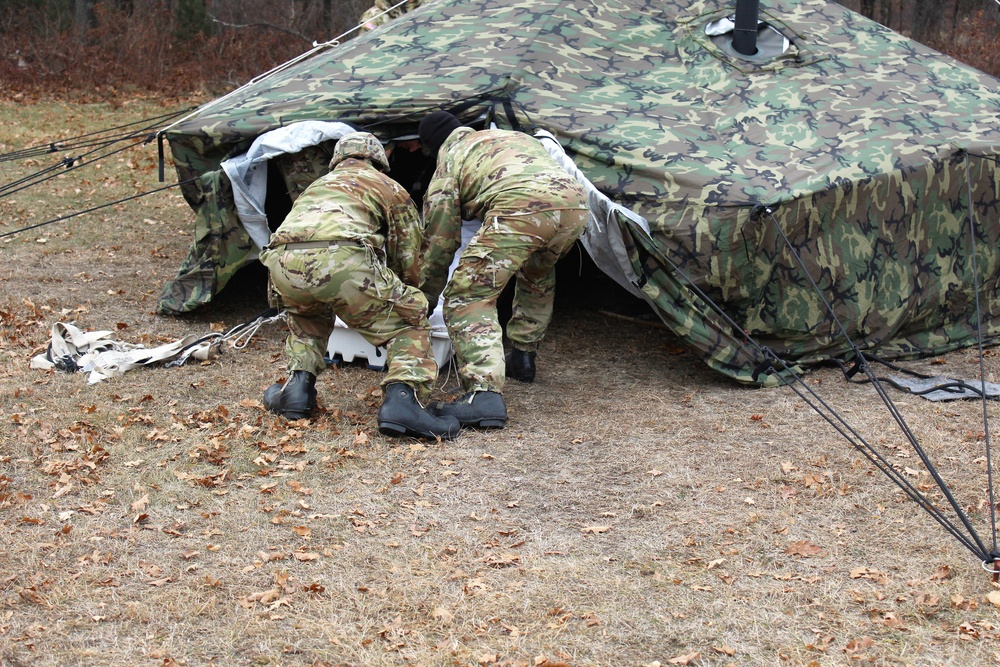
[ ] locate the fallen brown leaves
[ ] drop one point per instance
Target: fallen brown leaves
(594, 529)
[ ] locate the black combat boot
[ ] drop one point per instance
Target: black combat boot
(295, 399)
(521, 365)
(479, 409)
(401, 414)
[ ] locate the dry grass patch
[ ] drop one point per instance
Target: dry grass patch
(637, 510)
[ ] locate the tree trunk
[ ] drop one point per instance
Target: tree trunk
(926, 15)
(83, 19)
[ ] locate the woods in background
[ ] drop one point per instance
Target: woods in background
(212, 46)
(159, 45)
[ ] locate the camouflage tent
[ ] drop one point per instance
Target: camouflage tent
(837, 191)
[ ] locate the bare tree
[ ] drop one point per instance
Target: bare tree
(83, 19)
(926, 17)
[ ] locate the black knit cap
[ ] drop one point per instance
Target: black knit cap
(435, 128)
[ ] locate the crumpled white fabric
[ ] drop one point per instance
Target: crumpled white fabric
(115, 363)
(100, 354)
(248, 172)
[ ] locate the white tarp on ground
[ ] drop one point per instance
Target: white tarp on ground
(103, 356)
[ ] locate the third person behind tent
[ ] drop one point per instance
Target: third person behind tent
(532, 213)
(349, 247)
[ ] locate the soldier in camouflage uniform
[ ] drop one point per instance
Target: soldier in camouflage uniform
(327, 258)
(532, 212)
(383, 10)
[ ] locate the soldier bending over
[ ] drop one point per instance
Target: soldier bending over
(327, 258)
(532, 212)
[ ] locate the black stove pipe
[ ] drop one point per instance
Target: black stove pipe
(745, 32)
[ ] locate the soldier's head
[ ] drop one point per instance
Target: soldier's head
(363, 146)
(434, 129)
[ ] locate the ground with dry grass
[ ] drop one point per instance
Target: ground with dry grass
(637, 510)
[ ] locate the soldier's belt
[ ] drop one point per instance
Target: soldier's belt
(305, 245)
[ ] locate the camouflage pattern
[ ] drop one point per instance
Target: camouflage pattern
(363, 146)
(353, 282)
(299, 170)
(874, 154)
(355, 202)
(221, 247)
(526, 246)
(358, 210)
(385, 10)
(532, 212)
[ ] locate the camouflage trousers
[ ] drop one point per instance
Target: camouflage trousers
(526, 247)
(353, 282)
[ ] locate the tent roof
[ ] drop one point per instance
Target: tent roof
(646, 103)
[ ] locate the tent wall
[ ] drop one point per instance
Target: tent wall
(884, 265)
(220, 248)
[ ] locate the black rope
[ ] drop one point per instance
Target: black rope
(979, 340)
(988, 158)
(63, 147)
(884, 362)
(791, 379)
(95, 208)
(508, 110)
(958, 387)
(73, 142)
(35, 177)
(893, 410)
(830, 415)
(786, 374)
(71, 164)
(77, 161)
(159, 156)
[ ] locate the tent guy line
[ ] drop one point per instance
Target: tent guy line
(787, 374)
(74, 142)
(990, 556)
(71, 163)
(982, 366)
(90, 210)
(77, 161)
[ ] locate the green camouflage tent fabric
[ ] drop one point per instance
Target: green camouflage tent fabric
(809, 203)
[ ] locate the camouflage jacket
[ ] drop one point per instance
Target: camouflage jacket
(484, 173)
(356, 202)
(382, 11)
